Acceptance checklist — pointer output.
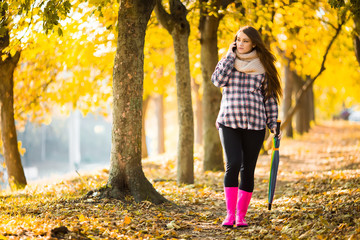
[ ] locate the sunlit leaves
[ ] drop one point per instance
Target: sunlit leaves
(72, 71)
(354, 5)
(21, 149)
(19, 17)
(159, 67)
(337, 3)
(53, 12)
(300, 30)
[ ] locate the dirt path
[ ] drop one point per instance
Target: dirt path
(318, 184)
(317, 197)
(328, 146)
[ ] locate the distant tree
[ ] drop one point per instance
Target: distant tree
(8, 130)
(210, 17)
(178, 27)
(15, 17)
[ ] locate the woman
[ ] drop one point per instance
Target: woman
(251, 92)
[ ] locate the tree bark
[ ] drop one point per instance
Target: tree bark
(311, 101)
(308, 105)
(303, 113)
(144, 152)
(288, 90)
(160, 122)
(178, 27)
(185, 166)
(356, 37)
(14, 167)
(198, 114)
(126, 174)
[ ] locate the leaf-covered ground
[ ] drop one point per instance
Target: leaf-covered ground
(317, 197)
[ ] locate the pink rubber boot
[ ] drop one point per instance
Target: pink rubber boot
(231, 198)
(242, 207)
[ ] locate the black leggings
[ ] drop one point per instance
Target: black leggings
(241, 148)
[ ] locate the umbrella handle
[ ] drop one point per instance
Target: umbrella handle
(278, 123)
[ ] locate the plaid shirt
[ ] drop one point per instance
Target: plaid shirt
(243, 103)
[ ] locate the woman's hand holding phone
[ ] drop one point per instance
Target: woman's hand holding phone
(232, 47)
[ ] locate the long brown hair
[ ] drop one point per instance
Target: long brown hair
(268, 60)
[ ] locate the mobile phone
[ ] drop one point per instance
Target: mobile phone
(234, 48)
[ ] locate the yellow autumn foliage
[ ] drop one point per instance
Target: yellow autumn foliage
(75, 70)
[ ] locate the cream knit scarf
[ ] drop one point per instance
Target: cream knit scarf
(248, 63)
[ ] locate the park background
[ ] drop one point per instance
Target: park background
(64, 78)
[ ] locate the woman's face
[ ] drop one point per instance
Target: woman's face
(244, 43)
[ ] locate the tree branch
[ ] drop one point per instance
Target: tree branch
(225, 3)
(328, 23)
(43, 87)
(308, 83)
(204, 13)
(164, 18)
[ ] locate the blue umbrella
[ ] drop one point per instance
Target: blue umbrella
(274, 164)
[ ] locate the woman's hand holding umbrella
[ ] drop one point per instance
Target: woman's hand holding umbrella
(274, 132)
(274, 163)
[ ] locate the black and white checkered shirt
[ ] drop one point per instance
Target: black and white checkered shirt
(243, 103)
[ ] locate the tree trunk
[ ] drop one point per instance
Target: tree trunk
(43, 143)
(144, 152)
(185, 166)
(198, 114)
(74, 141)
(14, 167)
(300, 116)
(288, 90)
(266, 37)
(308, 104)
(356, 37)
(179, 28)
(311, 101)
(304, 113)
(213, 157)
(159, 100)
(126, 174)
